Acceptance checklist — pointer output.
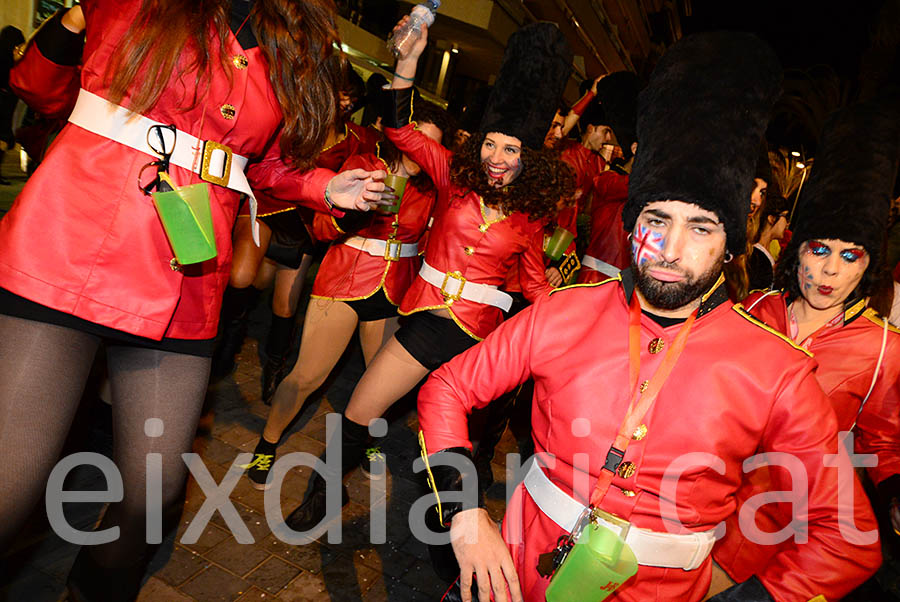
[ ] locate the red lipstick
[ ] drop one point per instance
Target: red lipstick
(825, 290)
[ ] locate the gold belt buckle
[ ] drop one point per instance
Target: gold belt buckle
(392, 244)
(208, 148)
(612, 521)
(454, 276)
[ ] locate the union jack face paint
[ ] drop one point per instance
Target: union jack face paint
(646, 244)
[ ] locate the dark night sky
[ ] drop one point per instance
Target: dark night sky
(803, 32)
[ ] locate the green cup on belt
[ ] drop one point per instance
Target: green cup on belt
(398, 185)
(187, 219)
(558, 243)
(598, 564)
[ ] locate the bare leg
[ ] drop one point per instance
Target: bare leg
(246, 256)
(374, 335)
(392, 374)
(327, 330)
(265, 274)
(288, 287)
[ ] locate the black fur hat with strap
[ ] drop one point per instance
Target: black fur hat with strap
(536, 66)
(700, 121)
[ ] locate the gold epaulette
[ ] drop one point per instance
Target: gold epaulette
(874, 317)
(616, 278)
(739, 308)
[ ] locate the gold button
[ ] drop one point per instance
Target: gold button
(625, 470)
(228, 111)
(173, 263)
(240, 61)
(644, 385)
(640, 432)
(656, 345)
(628, 493)
(483, 228)
(468, 250)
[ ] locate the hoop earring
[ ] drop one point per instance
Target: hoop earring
(728, 256)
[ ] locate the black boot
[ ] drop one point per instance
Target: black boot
(355, 439)
(236, 306)
(278, 347)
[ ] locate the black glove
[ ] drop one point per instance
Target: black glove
(398, 107)
(437, 517)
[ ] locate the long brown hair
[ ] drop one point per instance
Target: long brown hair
(295, 37)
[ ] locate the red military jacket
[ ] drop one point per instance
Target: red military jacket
(609, 240)
(462, 239)
(847, 354)
(736, 389)
(348, 274)
(82, 239)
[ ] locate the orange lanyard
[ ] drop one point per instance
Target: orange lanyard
(641, 397)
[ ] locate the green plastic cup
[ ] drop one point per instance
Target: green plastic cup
(187, 219)
(398, 184)
(558, 243)
(598, 564)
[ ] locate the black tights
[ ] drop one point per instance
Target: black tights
(43, 369)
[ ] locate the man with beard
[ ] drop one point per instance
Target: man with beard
(651, 389)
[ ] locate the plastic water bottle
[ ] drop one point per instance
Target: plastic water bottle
(407, 35)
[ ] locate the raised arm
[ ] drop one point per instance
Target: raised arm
(579, 108)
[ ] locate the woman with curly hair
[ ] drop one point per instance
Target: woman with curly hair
(494, 199)
(175, 92)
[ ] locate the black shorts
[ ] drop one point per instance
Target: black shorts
(375, 307)
(19, 307)
(432, 340)
(290, 239)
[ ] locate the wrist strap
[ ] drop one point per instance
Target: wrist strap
(404, 78)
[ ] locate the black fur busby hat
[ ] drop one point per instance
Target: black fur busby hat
(617, 93)
(536, 66)
(848, 195)
(699, 124)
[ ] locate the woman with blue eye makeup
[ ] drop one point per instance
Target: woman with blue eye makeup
(831, 278)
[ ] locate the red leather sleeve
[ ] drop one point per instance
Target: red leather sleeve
(531, 269)
(274, 177)
(433, 158)
(828, 564)
(472, 379)
(48, 88)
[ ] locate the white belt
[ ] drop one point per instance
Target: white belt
(454, 287)
(212, 161)
(390, 250)
(600, 266)
(651, 548)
